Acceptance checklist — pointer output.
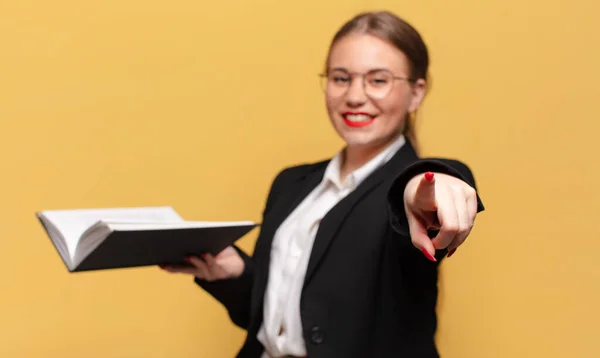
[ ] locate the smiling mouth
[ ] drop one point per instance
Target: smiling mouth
(358, 119)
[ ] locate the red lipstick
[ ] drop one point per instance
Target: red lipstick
(357, 124)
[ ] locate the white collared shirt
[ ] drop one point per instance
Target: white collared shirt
(281, 330)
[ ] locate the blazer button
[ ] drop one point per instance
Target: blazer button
(317, 336)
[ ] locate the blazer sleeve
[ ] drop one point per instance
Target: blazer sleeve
(234, 294)
(452, 167)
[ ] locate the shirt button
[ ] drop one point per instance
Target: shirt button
(317, 336)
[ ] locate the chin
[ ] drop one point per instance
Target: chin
(358, 139)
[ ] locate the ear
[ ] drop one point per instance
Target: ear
(418, 90)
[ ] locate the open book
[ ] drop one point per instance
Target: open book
(96, 239)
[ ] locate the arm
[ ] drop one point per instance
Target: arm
(235, 293)
(407, 214)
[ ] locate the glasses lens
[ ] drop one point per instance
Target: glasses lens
(337, 82)
(378, 83)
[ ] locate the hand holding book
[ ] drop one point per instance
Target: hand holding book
(226, 264)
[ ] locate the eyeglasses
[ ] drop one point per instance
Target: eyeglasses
(377, 84)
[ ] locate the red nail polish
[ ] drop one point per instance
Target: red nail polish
(451, 252)
(428, 255)
(429, 176)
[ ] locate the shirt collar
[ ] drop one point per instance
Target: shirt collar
(332, 173)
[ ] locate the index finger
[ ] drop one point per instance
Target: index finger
(425, 193)
(448, 218)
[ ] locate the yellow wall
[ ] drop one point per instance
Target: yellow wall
(126, 103)
(523, 77)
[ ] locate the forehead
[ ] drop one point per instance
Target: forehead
(363, 52)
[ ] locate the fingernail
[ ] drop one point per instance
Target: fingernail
(451, 252)
(428, 255)
(429, 176)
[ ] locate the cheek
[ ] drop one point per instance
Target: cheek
(332, 106)
(393, 111)
(394, 108)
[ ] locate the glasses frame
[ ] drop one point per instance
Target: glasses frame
(362, 75)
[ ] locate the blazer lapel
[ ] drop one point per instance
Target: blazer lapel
(337, 215)
(294, 193)
(291, 196)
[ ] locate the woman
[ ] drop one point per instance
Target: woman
(346, 261)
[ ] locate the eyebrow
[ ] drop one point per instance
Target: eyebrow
(370, 70)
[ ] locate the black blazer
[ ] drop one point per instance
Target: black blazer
(368, 291)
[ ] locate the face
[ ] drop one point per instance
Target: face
(366, 118)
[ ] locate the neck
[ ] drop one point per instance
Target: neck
(355, 157)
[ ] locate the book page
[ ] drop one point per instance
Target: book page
(73, 223)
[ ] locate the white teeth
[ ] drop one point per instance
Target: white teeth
(358, 117)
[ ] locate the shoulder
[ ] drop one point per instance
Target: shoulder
(290, 174)
(301, 170)
(287, 176)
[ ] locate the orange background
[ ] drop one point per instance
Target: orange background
(198, 104)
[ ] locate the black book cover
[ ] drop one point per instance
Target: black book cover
(126, 249)
(123, 249)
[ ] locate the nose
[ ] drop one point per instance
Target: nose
(356, 96)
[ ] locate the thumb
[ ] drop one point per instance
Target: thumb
(425, 193)
(419, 237)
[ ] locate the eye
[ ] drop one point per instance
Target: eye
(379, 80)
(341, 79)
